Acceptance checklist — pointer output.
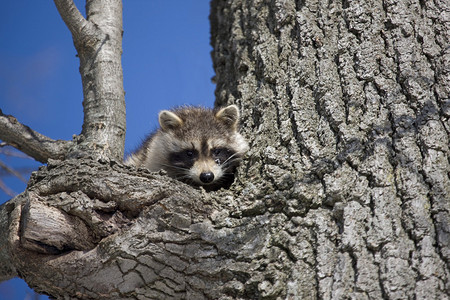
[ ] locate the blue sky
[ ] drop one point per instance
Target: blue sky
(166, 62)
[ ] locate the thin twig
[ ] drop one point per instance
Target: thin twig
(22, 170)
(10, 151)
(6, 189)
(12, 171)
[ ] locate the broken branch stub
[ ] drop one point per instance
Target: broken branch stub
(48, 230)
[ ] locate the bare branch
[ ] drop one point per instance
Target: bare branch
(12, 171)
(20, 170)
(98, 41)
(25, 139)
(6, 189)
(7, 268)
(71, 15)
(81, 29)
(7, 150)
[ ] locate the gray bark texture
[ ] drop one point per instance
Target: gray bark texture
(98, 40)
(344, 194)
(346, 104)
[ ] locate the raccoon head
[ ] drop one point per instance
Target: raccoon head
(203, 146)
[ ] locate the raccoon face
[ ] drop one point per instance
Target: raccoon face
(203, 167)
(204, 147)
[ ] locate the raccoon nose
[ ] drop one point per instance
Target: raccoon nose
(207, 177)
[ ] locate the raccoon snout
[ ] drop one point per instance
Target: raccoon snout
(207, 177)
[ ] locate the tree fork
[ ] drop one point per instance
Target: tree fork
(98, 40)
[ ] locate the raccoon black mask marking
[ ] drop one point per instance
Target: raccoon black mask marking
(196, 145)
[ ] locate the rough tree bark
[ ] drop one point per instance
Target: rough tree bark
(98, 40)
(344, 194)
(346, 104)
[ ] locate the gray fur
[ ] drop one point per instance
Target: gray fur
(209, 134)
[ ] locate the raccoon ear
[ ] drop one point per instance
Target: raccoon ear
(229, 115)
(168, 120)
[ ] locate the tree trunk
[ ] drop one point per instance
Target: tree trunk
(345, 193)
(347, 108)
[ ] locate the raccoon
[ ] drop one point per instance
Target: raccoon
(198, 146)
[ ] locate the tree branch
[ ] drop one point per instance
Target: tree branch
(34, 144)
(6, 189)
(98, 41)
(12, 171)
(81, 29)
(7, 269)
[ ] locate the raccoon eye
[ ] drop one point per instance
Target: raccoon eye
(220, 155)
(220, 151)
(183, 159)
(189, 153)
